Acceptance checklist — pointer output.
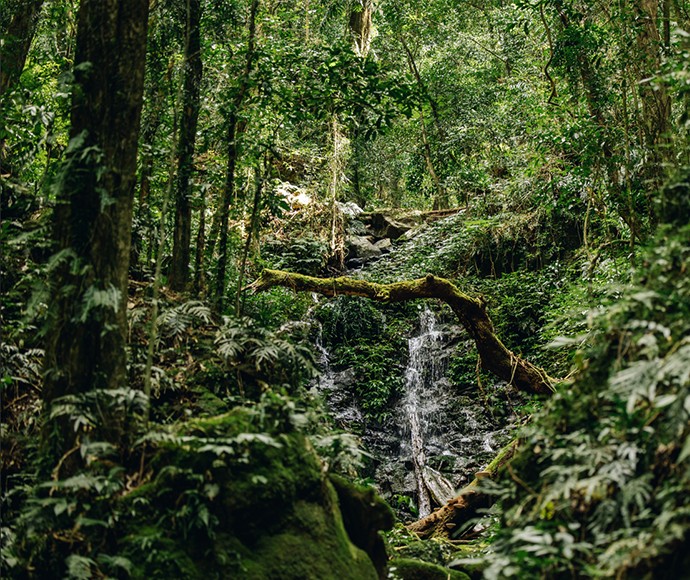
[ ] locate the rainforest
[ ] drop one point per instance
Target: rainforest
(345, 289)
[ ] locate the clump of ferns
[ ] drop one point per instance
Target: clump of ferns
(260, 357)
(175, 325)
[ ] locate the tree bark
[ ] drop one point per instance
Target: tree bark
(463, 507)
(17, 42)
(199, 273)
(182, 234)
(234, 124)
(85, 343)
(471, 312)
(360, 27)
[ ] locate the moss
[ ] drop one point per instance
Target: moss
(313, 546)
(404, 569)
(261, 510)
(364, 514)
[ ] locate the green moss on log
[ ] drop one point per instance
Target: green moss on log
(495, 357)
(404, 569)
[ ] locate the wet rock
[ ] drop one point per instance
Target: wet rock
(384, 245)
(361, 247)
(394, 226)
(345, 378)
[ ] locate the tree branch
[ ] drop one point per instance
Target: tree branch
(471, 313)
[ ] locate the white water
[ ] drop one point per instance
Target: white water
(420, 405)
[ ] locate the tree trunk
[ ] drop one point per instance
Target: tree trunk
(85, 344)
(471, 312)
(253, 225)
(182, 234)
(151, 122)
(463, 507)
(360, 27)
(199, 274)
(17, 42)
(229, 191)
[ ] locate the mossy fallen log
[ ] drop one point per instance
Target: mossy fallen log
(471, 313)
(464, 506)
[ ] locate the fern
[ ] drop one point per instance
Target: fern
(262, 355)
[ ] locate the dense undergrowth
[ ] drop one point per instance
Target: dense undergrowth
(598, 489)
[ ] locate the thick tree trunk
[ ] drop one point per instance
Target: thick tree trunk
(360, 27)
(17, 41)
(85, 345)
(182, 234)
(471, 312)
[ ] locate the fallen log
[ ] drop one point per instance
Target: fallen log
(471, 313)
(463, 507)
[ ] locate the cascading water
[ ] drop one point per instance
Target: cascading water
(421, 405)
(341, 401)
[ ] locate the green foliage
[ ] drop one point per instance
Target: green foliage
(305, 255)
(519, 303)
(350, 319)
(380, 375)
(272, 308)
(603, 474)
(260, 358)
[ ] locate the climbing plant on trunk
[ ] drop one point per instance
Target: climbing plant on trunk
(86, 336)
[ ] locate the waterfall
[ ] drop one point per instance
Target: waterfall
(420, 406)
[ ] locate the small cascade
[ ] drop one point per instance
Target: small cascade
(421, 405)
(334, 386)
(325, 380)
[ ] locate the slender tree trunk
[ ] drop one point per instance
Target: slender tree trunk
(229, 190)
(441, 198)
(151, 122)
(85, 344)
(226, 202)
(253, 225)
(199, 274)
(182, 234)
(16, 42)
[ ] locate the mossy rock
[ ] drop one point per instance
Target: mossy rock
(260, 507)
(238, 496)
(364, 513)
(404, 569)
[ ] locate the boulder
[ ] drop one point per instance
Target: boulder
(404, 569)
(384, 245)
(361, 247)
(385, 225)
(239, 496)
